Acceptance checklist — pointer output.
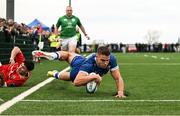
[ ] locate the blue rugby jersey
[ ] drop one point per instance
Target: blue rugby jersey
(90, 65)
(80, 63)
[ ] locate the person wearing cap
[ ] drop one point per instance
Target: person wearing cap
(68, 24)
(17, 72)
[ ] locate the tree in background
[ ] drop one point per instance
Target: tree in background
(152, 36)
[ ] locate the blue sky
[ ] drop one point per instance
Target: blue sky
(126, 21)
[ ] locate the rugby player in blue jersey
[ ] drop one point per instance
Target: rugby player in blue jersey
(99, 63)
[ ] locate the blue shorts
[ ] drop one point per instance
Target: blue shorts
(75, 66)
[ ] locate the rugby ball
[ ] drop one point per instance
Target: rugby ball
(91, 87)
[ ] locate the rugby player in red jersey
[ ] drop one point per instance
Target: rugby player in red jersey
(17, 72)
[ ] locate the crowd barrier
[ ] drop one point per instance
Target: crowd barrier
(23, 42)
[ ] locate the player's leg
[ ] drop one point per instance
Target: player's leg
(64, 55)
(47, 55)
(72, 44)
(62, 76)
(64, 44)
(75, 61)
(51, 55)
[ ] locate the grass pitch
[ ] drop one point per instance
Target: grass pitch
(151, 80)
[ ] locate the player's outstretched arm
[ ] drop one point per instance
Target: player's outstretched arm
(14, 53)
(83, 30)
(119, 82)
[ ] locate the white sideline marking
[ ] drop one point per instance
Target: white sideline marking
(154, 57)
(100, 100)
(167, 58)
(20, 97)
(162, 58)
(146, 55)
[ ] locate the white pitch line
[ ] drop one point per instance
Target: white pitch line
(20, 97)
(100, 100)
(154, 57)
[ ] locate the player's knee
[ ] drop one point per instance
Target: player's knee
(72, 50)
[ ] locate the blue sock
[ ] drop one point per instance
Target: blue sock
(56, 75)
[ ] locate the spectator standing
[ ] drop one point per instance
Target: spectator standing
(54, 42)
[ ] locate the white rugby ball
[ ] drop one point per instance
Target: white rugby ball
(91, 87)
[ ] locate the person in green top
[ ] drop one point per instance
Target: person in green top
(68, 34)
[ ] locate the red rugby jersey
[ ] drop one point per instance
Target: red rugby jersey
(11, 76)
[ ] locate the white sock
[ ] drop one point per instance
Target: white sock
(55, 55)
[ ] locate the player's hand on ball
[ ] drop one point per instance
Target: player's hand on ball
(98, 79)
